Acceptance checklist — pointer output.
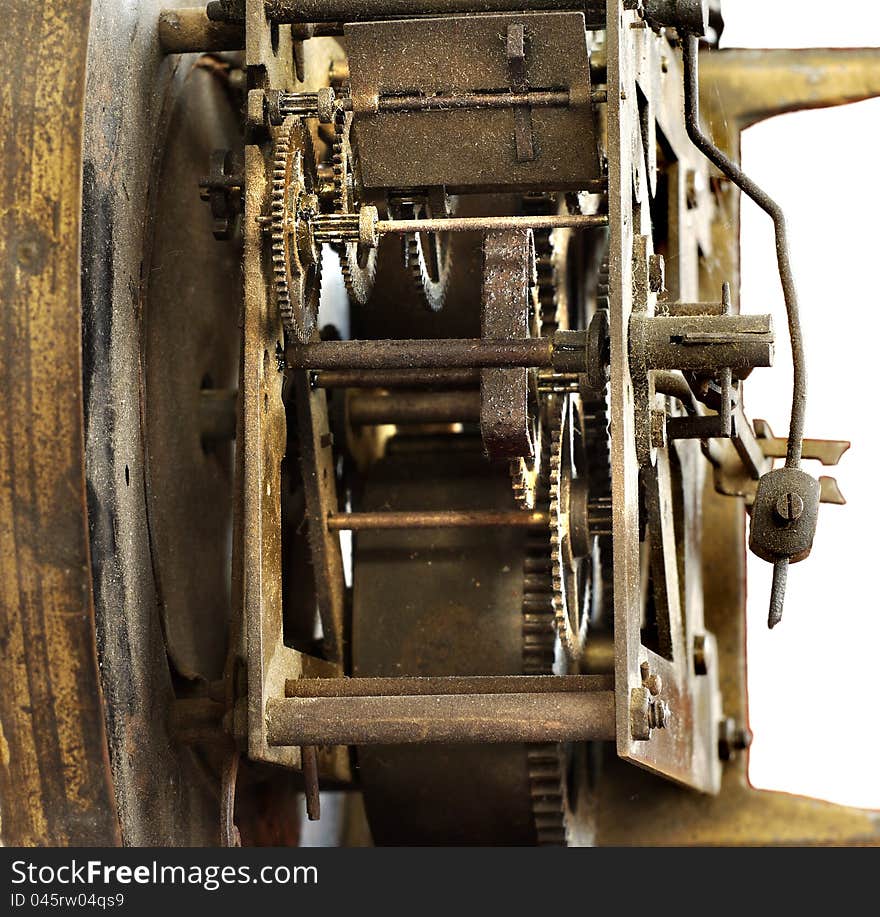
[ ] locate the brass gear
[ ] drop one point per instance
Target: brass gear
(569, 611)
(296, 259)
(554, 769)
(358, 261)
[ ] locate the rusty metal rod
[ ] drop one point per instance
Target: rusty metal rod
(443, 684)
(309, 761)
(489, 224)
(444, 353)
(475, 100)
(436, 519)
(566, 716)
(414, 407)
(396, 378)
(198, 721)
(189, 29)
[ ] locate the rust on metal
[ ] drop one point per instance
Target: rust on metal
(549, 716)
(435, 519)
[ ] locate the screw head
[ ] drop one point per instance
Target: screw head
(790, 507)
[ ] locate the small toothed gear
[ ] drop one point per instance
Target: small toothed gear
(358, 261)
(296, 258)
(568, 570)
(426, 256)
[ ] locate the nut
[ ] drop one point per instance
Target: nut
(658, 714)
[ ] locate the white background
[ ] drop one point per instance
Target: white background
(814, 681)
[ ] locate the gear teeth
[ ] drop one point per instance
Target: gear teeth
(433, 291)
(568, 637)
(297, 293)
(545, 763)
(358, 279)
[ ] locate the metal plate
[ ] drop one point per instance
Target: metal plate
(55, 779)
(441, 148)
(686, 750)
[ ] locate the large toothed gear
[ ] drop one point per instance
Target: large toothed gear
(570, 572)
(296, 258)
(358, 261)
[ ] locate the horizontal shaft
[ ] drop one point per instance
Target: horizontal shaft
(414, 407)
(435, 519)
(396, 378)
(472, 100)
(451, 353)
(183, 30)
(489, 224)
(573, 716)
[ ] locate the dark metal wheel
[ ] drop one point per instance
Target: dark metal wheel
(466, 602)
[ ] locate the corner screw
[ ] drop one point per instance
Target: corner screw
(790, 507)
(732, 738)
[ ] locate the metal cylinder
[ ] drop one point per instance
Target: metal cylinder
(703, 343)
(414, 407)
(435, 519)
(445, 718)
(189, 29)
(415, 354)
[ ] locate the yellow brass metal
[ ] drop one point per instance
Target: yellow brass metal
(638, 809)
(55, 784)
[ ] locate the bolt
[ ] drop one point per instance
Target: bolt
(790, 507)
(732, 738)
(658, 714)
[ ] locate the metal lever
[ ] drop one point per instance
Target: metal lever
(770, 534)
